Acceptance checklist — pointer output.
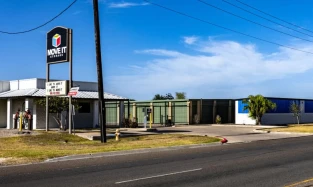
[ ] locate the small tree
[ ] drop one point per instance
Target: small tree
(258, 106)
(169, 96)
(218, 119)
(296, 110)
(58, 105)
(158, 97)
(162, 97)
(196, 119)
(180, 95)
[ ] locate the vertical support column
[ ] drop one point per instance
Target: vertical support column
(10, 115)
(134, 111)
(201, 106)
(229, 111)
(152, 113)
(190, 113)
(70, 43)
(34, 113)
(169, 112)
(214, 111)
(122, 112)
(199, 110)
(29, 104)
(95, 113)
(118, 114)
(47, 98)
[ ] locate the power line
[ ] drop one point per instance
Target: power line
(265, 18)
(274, 16)
(208, 4)
(225, 28)
(22, 32)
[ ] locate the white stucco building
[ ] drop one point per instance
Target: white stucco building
(22, 94)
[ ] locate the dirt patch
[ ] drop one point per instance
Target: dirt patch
(2, 161)
(15, 132)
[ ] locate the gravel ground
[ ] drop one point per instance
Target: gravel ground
(15, 132)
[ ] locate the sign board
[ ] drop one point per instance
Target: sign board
(58, 45)
(56, 88)
(73, 91)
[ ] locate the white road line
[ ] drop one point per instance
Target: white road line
(174, 173)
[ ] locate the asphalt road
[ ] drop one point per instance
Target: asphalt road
(262, 163)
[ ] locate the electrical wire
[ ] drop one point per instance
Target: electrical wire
(208, 4)
(274, 16)
(265, 18)
(35, 28)
(225, 28)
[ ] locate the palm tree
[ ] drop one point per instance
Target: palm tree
(257, 106)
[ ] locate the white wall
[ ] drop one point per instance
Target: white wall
(41, 84)
(4, 86)
(27, 83)
(241, 118)
(14, 85)
(23, 84)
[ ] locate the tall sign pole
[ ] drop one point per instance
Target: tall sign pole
(102, 117)
(47, 97)
(59, 50)
(70, 39)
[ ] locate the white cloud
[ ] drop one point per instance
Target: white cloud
(220, 67)
(125, 5)
(77, 12)
(190, 39)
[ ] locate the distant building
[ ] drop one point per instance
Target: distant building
(279, 116)
(22, 94)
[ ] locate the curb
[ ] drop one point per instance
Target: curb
(253, 126)
(267, 131)
(130, 152)
(261, 131)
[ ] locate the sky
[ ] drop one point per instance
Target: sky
(147, 50)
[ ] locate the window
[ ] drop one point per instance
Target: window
(84, 108)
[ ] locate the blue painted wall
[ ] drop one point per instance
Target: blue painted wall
(308, 107)
(282, 106)
(241, 108)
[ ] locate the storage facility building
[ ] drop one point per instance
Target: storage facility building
(279, 116)
(22, 94)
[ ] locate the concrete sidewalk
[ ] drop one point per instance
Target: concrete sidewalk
(234, 133)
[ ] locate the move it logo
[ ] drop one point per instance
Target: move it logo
(56, 51)
(56, 40)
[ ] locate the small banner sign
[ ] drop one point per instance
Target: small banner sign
(73, 91)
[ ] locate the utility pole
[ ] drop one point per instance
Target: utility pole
(102, 117)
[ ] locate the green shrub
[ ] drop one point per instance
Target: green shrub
(218, 119)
